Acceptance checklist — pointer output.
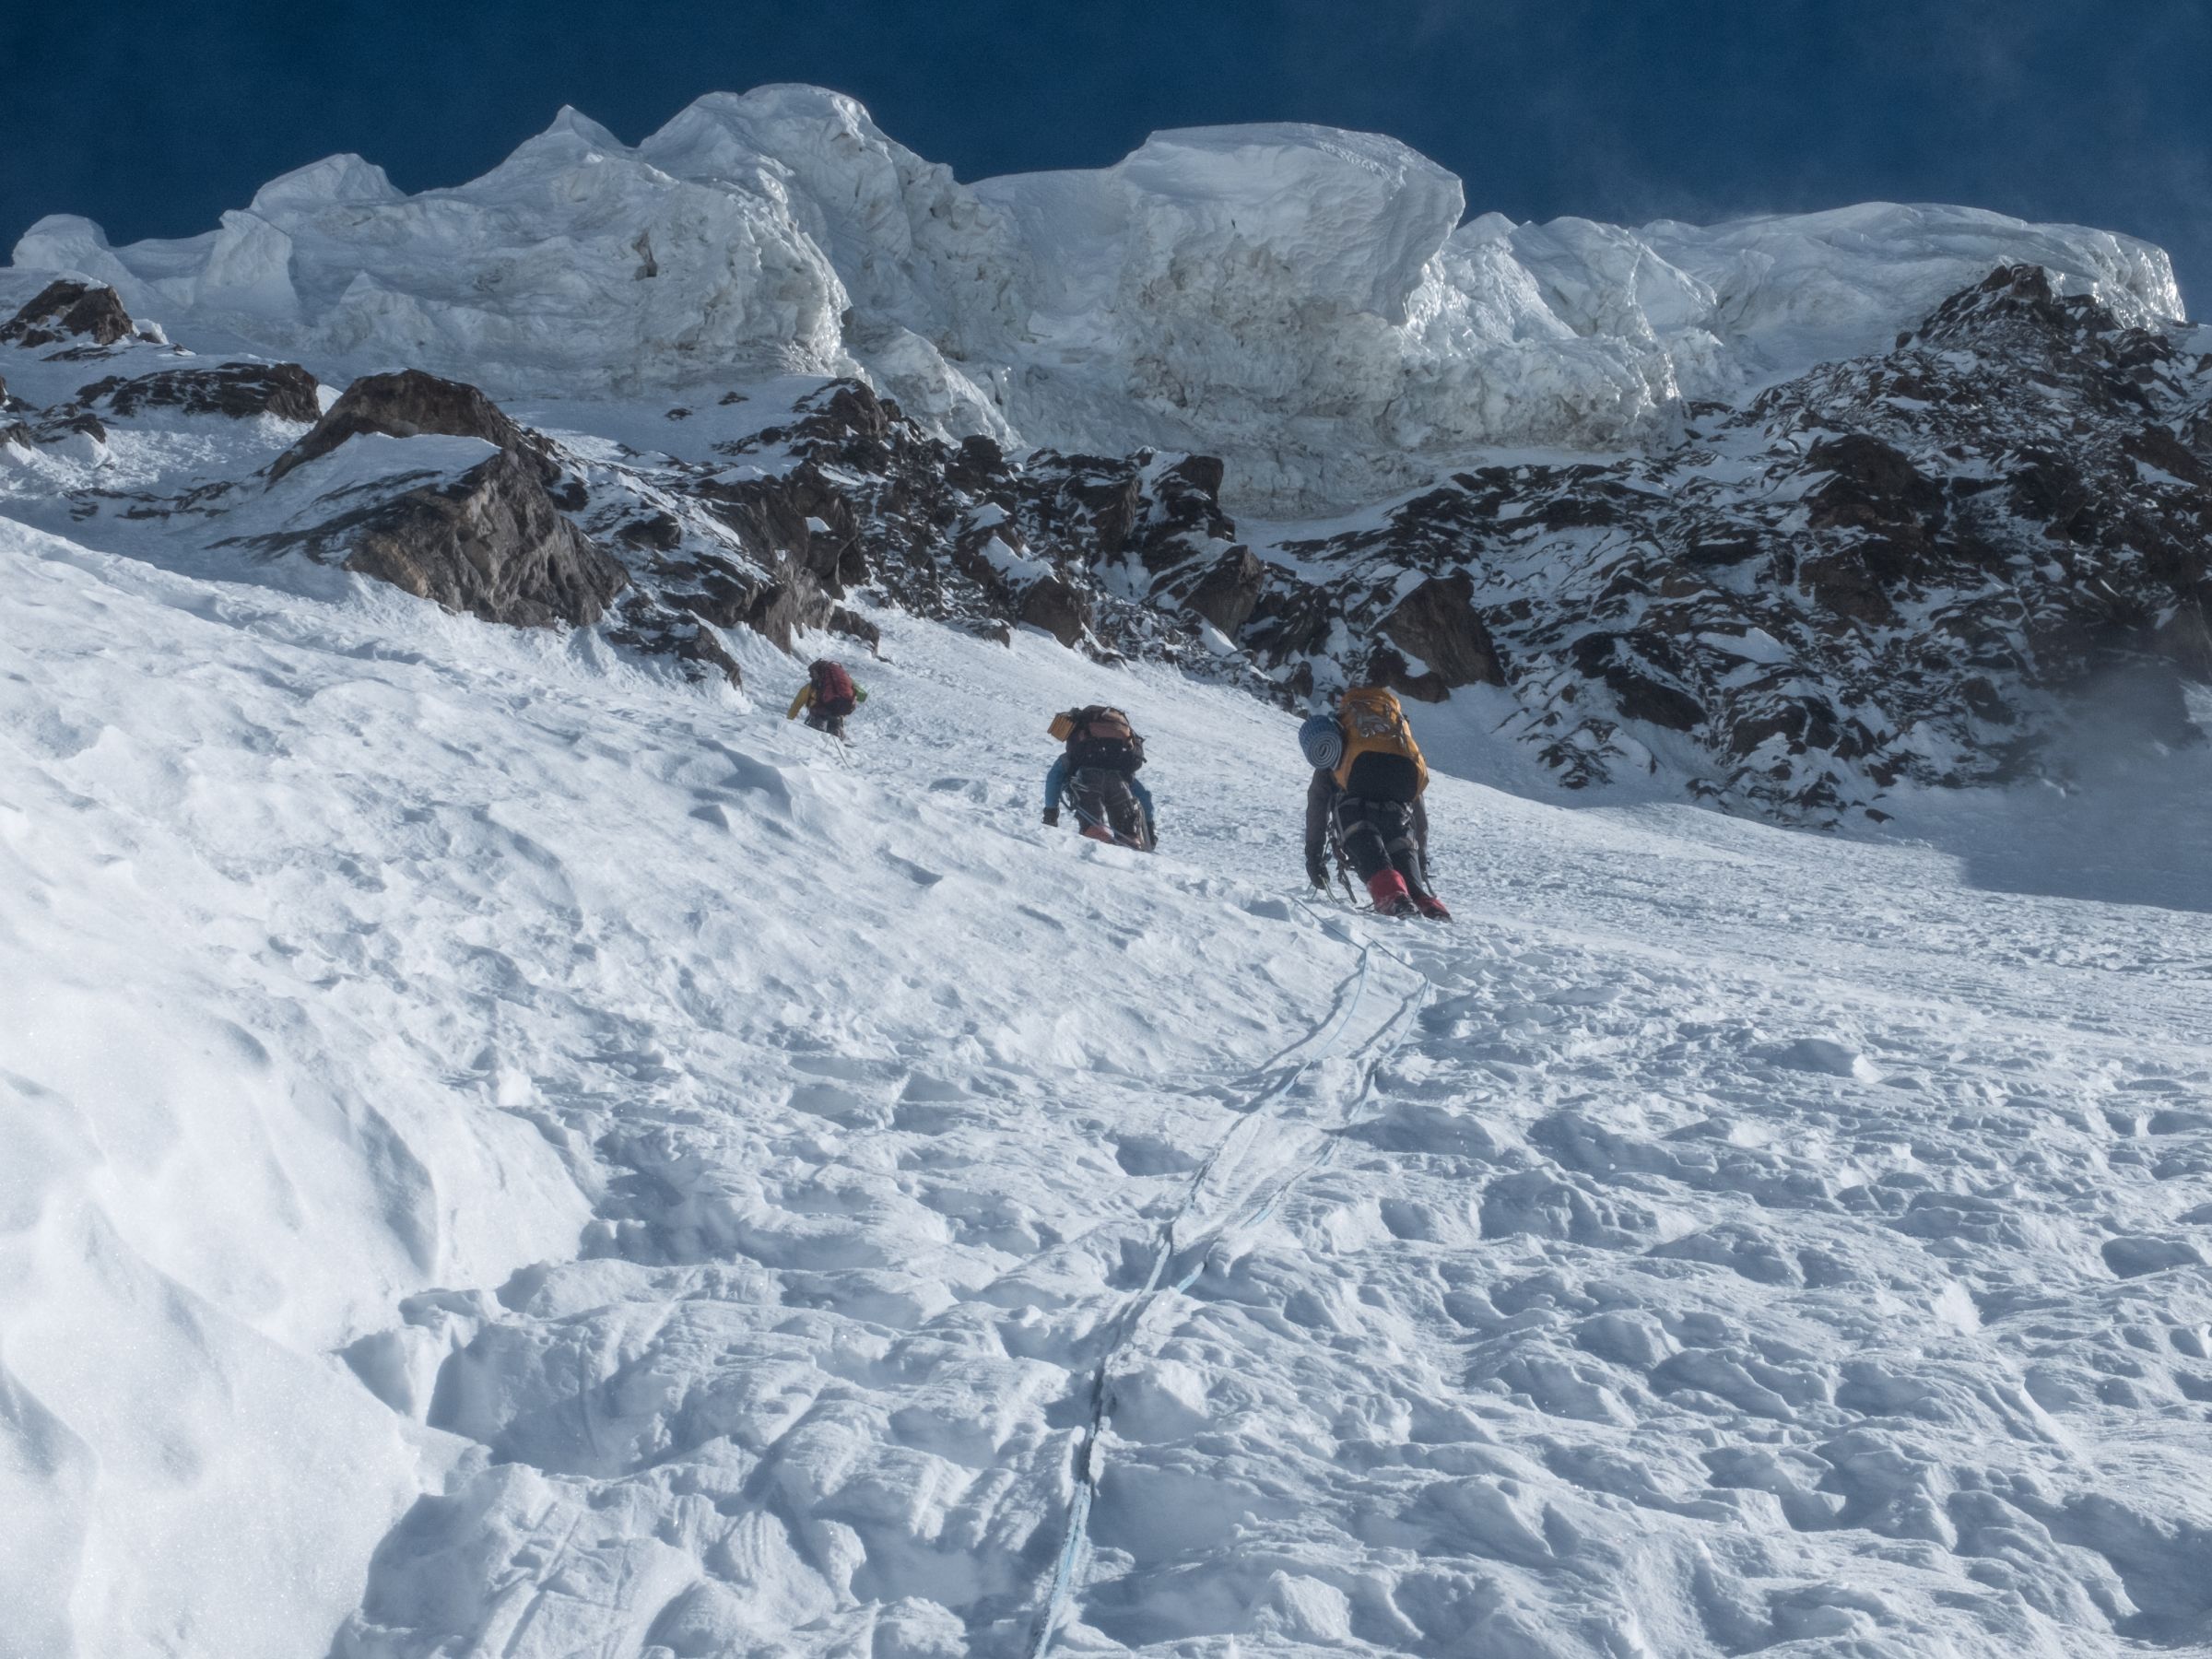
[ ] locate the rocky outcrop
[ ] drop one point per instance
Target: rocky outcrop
(1897, 568)
(1438, 624)
(66, 310)
(1226, 593)
(1057, 605)
(404, 406)
(1112, 555)
(237, 390)
(492, 542)
(1902, 568)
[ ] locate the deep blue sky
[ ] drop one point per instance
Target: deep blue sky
(153, 118)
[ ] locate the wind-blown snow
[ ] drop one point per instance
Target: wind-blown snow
(508, 1154)
(1301, 301)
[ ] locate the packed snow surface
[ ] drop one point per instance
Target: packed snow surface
(1304, 302)
(502, 1153)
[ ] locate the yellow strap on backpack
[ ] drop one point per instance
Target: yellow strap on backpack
(1374, 724)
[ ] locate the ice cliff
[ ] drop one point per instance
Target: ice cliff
(1311, 305)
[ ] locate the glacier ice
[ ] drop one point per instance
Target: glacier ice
(1305, 302)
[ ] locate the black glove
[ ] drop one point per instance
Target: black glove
(1052, 817)
(1318, 876)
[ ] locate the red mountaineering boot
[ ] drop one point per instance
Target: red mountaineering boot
(1431, 906)
(1387, 888)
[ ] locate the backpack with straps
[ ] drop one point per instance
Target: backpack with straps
(1374, 724)
(1099, 738)
(834, 692)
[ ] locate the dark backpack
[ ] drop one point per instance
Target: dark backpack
(834, 692)
(1100, 738)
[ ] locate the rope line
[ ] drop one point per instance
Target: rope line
(1071, 1566)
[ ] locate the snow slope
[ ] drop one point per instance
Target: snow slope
(1303, 301)
(508, 1154)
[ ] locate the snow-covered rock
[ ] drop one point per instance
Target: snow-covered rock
(1936, 563)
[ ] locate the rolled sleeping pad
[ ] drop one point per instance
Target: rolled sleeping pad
(1323, 740)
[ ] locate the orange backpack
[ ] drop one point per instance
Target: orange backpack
(1374, 724)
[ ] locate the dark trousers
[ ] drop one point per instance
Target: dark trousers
(832, 724)
(1104, 800)
(1378, 836)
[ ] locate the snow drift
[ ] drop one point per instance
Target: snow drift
(505, 1153)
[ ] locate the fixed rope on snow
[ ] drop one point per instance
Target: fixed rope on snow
(1069, 1568)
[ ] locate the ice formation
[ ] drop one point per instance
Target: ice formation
(1303, 301)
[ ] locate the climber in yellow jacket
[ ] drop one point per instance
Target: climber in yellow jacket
(827, 698)
(1369, 777)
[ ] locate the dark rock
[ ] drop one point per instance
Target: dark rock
(69, 422)
(1182, 518)
(1644, 672)
(238, 390)
(1292, 621)
(1095, 502)
(642, 624)
(1801, 723)
(67, 310)
(790, 604)
(406, 405)
(1840, 584)
(1983, 699)
(491, 544)
(977, 466)
(660, 531)
(1201, 473)
(1438, 623)
(1386, 666)
(771, 517)
(1052, 604)
(1874, 484)
(2157, 446)
(1721, 555)
(701, 647)
(1226, 593)
(2048, 489)
(856, 627)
